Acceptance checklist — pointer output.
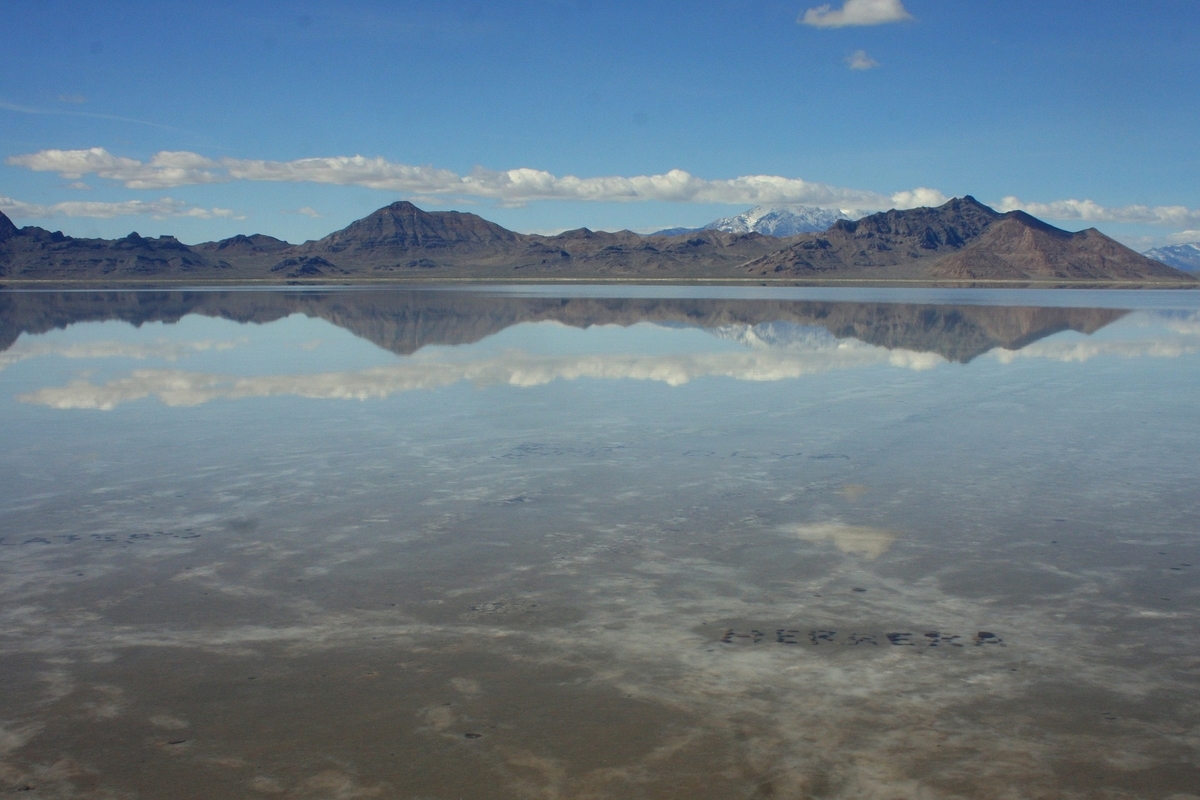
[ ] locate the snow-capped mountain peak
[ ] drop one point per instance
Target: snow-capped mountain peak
(783, 220)
(1179, 256)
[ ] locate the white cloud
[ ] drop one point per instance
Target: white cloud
(164, 207)
(308, 212)
(507, 187)
(1184, 237)
(860, 60)
(921, 196)
(856, 12)
(512, 187)
(72, 98)
(164, 170)
(1090, 211)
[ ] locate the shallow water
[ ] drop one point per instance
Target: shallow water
(600, 543)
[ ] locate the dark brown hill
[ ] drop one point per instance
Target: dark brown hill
(402, 227)
(1019, 246)
(33, 252)
(252, 254)
(892, 241)
(241, 244)
(961, 240)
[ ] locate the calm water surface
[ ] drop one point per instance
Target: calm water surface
(600, 543)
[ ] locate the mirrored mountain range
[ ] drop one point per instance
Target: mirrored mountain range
(405, 321)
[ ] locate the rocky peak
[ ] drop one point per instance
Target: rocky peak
(254, 243)
(402, 225)
(7, 228)
(951, 224)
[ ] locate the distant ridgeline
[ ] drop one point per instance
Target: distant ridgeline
(962, 240)
(1180, 256)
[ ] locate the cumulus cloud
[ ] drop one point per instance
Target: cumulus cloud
(163, 207)
(855, 12)
(860, 60)
(915, 198)
(164, 170)
(1090, 211)
(508, 187)
(182, 388)
(1184, 237)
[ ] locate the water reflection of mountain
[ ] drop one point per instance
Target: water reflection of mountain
(405, 321)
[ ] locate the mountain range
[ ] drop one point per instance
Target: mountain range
(962, 240)
(1180, 256)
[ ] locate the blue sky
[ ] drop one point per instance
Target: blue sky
(261, 108)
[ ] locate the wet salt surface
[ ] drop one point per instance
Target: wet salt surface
(445, 544)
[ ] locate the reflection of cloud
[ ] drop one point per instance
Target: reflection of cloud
(853, 540)
(181, 388)
(852, 491)
(166, 350)
(1188, 326)
(1085, 351)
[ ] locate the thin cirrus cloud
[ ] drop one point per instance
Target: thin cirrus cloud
(159, 209)
(855, 12)
(64, 112)
(861, 61)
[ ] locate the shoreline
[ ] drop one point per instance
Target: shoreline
(7, 284)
